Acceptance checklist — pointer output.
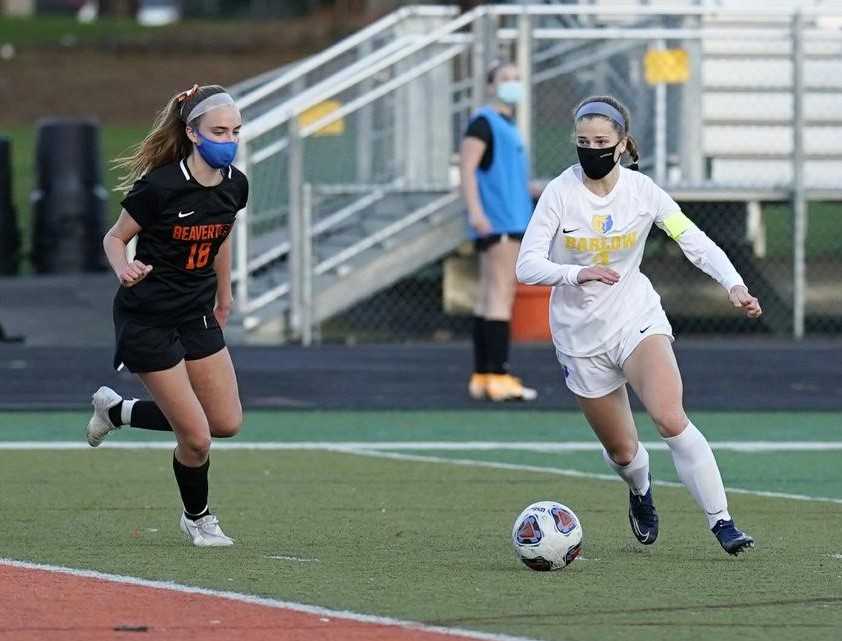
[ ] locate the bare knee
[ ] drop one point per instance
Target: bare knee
(228, 426)
(194, 449)
(622, 454)
(670, 421)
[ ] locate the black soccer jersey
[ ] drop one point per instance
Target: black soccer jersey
(183, 226)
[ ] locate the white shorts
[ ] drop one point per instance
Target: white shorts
(599, 375)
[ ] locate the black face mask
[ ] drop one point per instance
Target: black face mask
(596, 163)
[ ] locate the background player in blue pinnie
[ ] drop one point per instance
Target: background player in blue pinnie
(495, 184)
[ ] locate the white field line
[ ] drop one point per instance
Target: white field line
(297, 559)
(266, 602)
(476, 446)
(391, 450)
(574, 473)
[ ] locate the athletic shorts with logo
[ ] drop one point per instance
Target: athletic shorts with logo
(599, 375)
(145, 347)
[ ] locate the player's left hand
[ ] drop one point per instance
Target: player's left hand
(740, 298)
(222, 312)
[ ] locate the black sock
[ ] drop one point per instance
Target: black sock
(480, 347)
(146, 415)
(115, 414)
(497, 342)
(193, 486)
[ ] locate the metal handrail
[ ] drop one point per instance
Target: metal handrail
(572, 65)
(329, 54)
(368, 242)
(314, 62)
(266, 297)
(268, 256)
(642, 10)
(313, 96)
(295, 107)
(269, 150)
(283, 142)
(319, 228)
(397, 185)
(555, 51)
(298, 105)
(382, 90)
(649, 33)
(340, 216)
(321, 91)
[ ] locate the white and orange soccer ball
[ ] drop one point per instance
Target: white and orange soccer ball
(547, 536)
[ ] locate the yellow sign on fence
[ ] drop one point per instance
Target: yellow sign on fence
(319, 111)
(666, 66)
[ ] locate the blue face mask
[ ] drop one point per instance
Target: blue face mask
(217, 154)
(510, 92)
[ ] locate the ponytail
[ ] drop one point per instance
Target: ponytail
(632, 150)
(167, 141)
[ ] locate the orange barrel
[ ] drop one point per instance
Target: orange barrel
(531, 314)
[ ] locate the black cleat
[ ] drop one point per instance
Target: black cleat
(643, 518)
(732, 540)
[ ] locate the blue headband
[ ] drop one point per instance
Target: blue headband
(601, 109)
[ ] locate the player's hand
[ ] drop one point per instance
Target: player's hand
(740, 298)
(480, 222)
(222, 312)
(602, 274)
(134, 272)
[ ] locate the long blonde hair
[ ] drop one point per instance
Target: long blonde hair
(167, 141)
(632, 148)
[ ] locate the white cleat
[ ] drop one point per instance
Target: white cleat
(204, 532)
(100, 425)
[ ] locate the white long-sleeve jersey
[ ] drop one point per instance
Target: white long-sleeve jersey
(573, 228)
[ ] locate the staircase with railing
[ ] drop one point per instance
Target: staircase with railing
(349, 156)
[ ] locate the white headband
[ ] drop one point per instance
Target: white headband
(211, 102)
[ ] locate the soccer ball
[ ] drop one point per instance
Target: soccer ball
(547, 536)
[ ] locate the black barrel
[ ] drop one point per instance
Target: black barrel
(68, 204)
(9, 231)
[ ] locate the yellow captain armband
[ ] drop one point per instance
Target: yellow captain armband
(676, 224)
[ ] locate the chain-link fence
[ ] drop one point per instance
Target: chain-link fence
(737, 114)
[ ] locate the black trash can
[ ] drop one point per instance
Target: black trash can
(68, 204)
(9, 231)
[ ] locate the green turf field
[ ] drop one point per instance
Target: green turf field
(409, 515)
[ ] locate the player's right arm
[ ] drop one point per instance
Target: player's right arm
(534, 266)
(114, 243)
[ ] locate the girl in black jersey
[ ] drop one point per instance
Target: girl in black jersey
(175, 295)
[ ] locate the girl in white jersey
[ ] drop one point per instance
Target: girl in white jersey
(586, 240)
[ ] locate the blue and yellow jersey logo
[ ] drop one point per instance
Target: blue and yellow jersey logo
(602, 224)
(604, 248)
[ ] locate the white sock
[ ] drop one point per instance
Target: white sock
(126, 411)
(636, 473)
(697, 469)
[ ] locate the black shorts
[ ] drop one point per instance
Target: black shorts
(481, 244)
(143, 347)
